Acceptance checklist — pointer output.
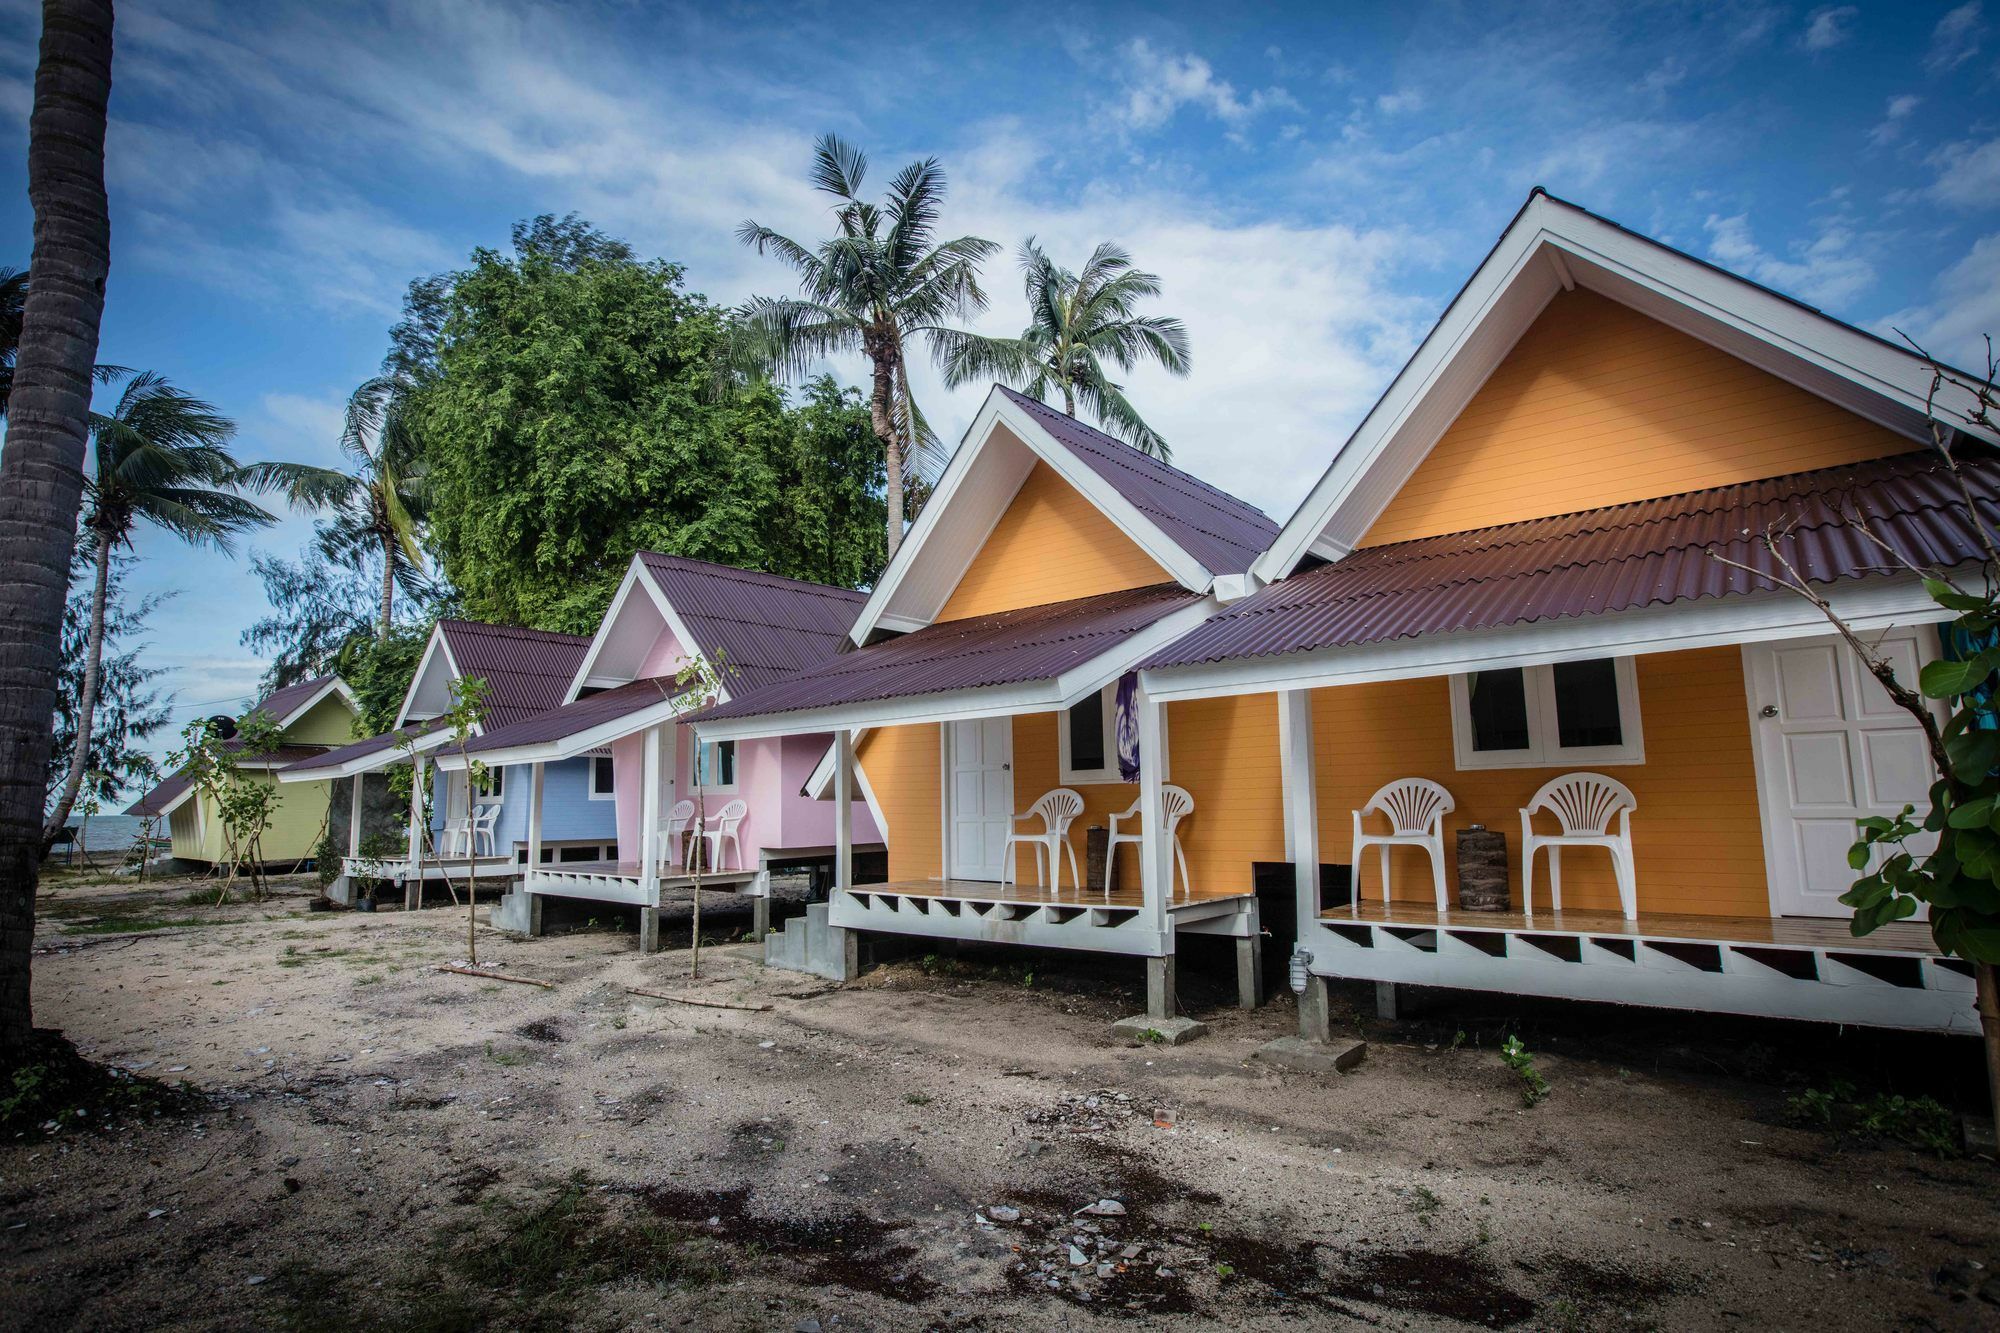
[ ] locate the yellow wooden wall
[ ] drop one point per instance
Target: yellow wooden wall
(902, 768)
(1696, 833)
(1600, 405)
(328, 722)
(1052, 545)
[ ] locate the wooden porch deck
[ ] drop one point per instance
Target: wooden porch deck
(1040, 895)
(1792, 932)
(1039, 915)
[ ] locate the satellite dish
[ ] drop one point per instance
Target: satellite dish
(222, 726)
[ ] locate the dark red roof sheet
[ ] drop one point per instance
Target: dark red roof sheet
(1224, 533)
(527, 671)
(762, 626)
(164, 793)
(388, 740)
(593, 710)
(1006, 648)
(279, 704)
(1647, 553)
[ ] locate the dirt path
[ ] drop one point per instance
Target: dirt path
(394, 1145)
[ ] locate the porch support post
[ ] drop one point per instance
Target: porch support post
(843, 810)
(1301, 805)
(534, 818)
(413, 885)
(354, 816)
(649, 841)
(1155, 859)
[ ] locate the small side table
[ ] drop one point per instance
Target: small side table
(1096, 842)
(1483, 885)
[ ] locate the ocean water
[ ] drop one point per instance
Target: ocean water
(110, 833)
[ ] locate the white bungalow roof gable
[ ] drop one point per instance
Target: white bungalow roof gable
(1551, 246)
(639, 613)
(994, 458)
(430, 688)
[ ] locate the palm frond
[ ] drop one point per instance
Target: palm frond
(798, 335)
(838, 167)
(1117, 415)
(972, 358)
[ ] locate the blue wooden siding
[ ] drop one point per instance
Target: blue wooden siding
(568, 813)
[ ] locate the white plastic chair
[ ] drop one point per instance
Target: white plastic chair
(727, 820)
(457, 833)
(1058, 810)
(674, 831)
(1416, 808)
(1178, 805)
(484, 818)
(1584, 804)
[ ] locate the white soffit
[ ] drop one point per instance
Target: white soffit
(430, 689)
(1551, 245)
(630, 627)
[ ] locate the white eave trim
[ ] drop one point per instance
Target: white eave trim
(333, 686)
(1866, 604)
(1547, 243)
(564, 747)
(996, 411)
(637, 575)
(373, 761)
(1037, 696)
(431, 649)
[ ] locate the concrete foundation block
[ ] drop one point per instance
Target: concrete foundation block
(1312, 1057)
(808, 944)
(649, 930)
(514, 913)
(1158, 1031)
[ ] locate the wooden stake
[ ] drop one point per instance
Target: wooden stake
(495, 976)
(703, 1004)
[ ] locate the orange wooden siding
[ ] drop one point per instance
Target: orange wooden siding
(1598, 405)
(1696, 835)
(1051, 545)
(902, 768)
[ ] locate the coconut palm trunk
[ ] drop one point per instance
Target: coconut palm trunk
(882, 416)
(389, 551)
(86, 703)
(41, 471)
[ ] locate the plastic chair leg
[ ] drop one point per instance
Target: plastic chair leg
(1437, 870)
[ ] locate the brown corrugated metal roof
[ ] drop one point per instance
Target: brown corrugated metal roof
(764, 627)
(1224, 533)
(276, 705)
(388, 740)
(1006, 648)
(572, 719)
(1647, 553)
(527, 671)
(164, 793)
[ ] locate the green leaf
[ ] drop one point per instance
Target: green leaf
(1946, 680)
(1951, 600)
(1973, 755)
(1973, 814)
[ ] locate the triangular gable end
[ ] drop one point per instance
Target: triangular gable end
(1552, 247)
(639, 613)
(430, 688)
(1002, 451)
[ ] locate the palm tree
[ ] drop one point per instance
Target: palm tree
(379, 507)
(161, 456)
(879, 281)
(13, 301)
(41, 469)
(1076, 323)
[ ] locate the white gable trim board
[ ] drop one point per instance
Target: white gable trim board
(1549, 246)
(973, 494)
(319, 696)
(637, 576)
(436, 648)
(566, 747)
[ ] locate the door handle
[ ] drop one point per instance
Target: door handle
(1006, 768)
(1768, 710)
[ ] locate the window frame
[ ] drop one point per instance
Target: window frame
(591, 783)
(1071, 776)
(735, 771)
(491, 790)
(1544, 751)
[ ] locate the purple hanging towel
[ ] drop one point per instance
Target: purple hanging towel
(1128, 726)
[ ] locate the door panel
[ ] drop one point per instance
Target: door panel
(982, 797)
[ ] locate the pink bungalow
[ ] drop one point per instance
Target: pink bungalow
(622, 709)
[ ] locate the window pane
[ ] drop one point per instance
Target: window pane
(1587, 704)
(1499, 709)
(600, 776)
(725, 768)
(1086, 733)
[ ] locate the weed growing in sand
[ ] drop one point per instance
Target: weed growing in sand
(917, 1098)
(1423, 1202)
(131, 925)
(505, 1059)
(1516, 1057)
(1921, 1122)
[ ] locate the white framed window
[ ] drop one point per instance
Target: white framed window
(716, 766)
(1087, 738)
(493, 786)
(1570, 714)
(603, 778)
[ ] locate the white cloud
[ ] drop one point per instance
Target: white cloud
(1964, 309)
(1955, 40)
(1828, 27)
(1894, 114)
(1159, 83)
(1670, 72)
(1968, 174)
(1826, 271)
(1399, 102)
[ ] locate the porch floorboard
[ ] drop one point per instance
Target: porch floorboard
(985, 891)
(1903, 937)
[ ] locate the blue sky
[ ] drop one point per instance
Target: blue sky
(1312, 182)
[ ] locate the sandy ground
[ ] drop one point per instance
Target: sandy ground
(392, 1145)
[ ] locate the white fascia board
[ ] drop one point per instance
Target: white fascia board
(1094, 675)
(1871, 604)
(334, 686)
(176, 803)
(372, 762)
(690, 646)
(1042, 696)
(565, 747)
(433, 648)
(998, 411)
(1574, 243)
(605, 624)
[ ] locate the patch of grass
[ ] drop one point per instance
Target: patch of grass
(131, 925)
(211, 898)
(57, 1089)
(505, 1059)
(1516, 1057)
(1921, 1122)
(917, 1098)
(1422, 1201)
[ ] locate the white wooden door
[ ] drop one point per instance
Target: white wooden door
(981, 797)
(1832, 748)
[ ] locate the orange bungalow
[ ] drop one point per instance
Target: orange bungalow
(1513, 614)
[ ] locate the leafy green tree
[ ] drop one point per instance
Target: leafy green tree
(830, 480)
(573, 413)
(130, 710)
(881, 281)
(161, 456)
(377, 507)
(1077, 322)
(245, 800)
